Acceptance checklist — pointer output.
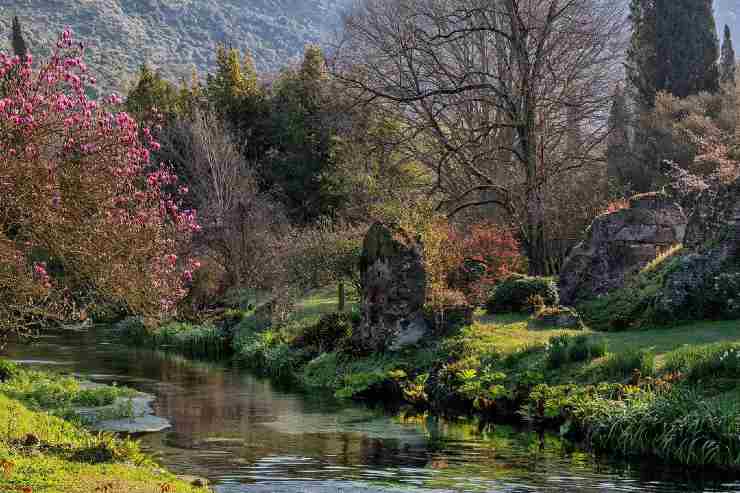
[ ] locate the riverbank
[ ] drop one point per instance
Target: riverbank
(665, 392)
(45, 445)
(670, 393)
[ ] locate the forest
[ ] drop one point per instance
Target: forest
(510, 212)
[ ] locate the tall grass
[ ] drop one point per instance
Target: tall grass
(204, 340)
(705, 362)
(624, 364)
(678, 426)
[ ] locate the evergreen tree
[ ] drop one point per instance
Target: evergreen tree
(673, 48)
(232, 82)
(153, 91)
(618, 142)
(302, 133)
(687, 47)
(727, 61)
(17, 40)
(641, 54)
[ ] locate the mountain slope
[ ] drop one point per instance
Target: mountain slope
(174, 35)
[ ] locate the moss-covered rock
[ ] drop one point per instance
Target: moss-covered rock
(394, 282)
(620, 244)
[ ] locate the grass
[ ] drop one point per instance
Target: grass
(47, 391)
(196, 340)
(42, 452)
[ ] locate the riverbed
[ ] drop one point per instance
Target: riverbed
(246, 434)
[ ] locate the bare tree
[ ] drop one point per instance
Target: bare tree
(239, 222)
(490, 92)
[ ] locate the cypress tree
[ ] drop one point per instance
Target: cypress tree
(641, 54)
(618, 141)
(16, 39)
(727, 61)
(687, 47)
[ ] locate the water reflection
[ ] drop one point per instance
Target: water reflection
(246, 435)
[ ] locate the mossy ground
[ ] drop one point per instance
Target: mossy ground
(42, 452)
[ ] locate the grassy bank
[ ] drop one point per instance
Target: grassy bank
(668, 392)
(43, 449)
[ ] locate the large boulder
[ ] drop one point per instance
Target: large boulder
(394, 281)
(619, 244)
(702, 282)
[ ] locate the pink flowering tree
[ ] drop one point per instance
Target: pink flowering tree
(78, 190)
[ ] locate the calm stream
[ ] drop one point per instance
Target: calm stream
(246, 435)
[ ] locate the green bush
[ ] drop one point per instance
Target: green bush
(624, 365)
(565, 349)
(328, 333)
(513, 294)
(8, 370)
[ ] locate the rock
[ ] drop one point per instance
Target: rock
(713, 241)
(556, 318)
(140, 419)
(619, 244)
(394, 281)
(196, 481)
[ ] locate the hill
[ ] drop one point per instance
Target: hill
(177, 35)
(174, 35)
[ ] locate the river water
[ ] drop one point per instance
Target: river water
(247, 435)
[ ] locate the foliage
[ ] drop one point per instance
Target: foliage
(631, 306)
(513, 294)
(178, 36)
(81, 198)
(565, 349)
(705, 363)
(194, 340)
(727, 63)
(491, 247)
(628, 363)
(328, 334)
(678, 426)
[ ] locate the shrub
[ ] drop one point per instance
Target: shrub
(8, 370)
(565, 349)
(626, 364)
(490, 254)
(512, 295)
(328, 333)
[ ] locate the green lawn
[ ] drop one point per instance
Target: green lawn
(509, 332)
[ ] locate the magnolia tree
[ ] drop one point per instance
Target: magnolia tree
(82, 209)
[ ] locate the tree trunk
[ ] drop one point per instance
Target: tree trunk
(342, 296)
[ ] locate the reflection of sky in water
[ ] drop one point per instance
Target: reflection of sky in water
(249, 436)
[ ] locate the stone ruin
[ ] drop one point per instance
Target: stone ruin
(393, 280)
(620, 244)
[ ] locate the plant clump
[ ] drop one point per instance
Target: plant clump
(514, 294)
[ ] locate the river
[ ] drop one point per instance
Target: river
(247, 435)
